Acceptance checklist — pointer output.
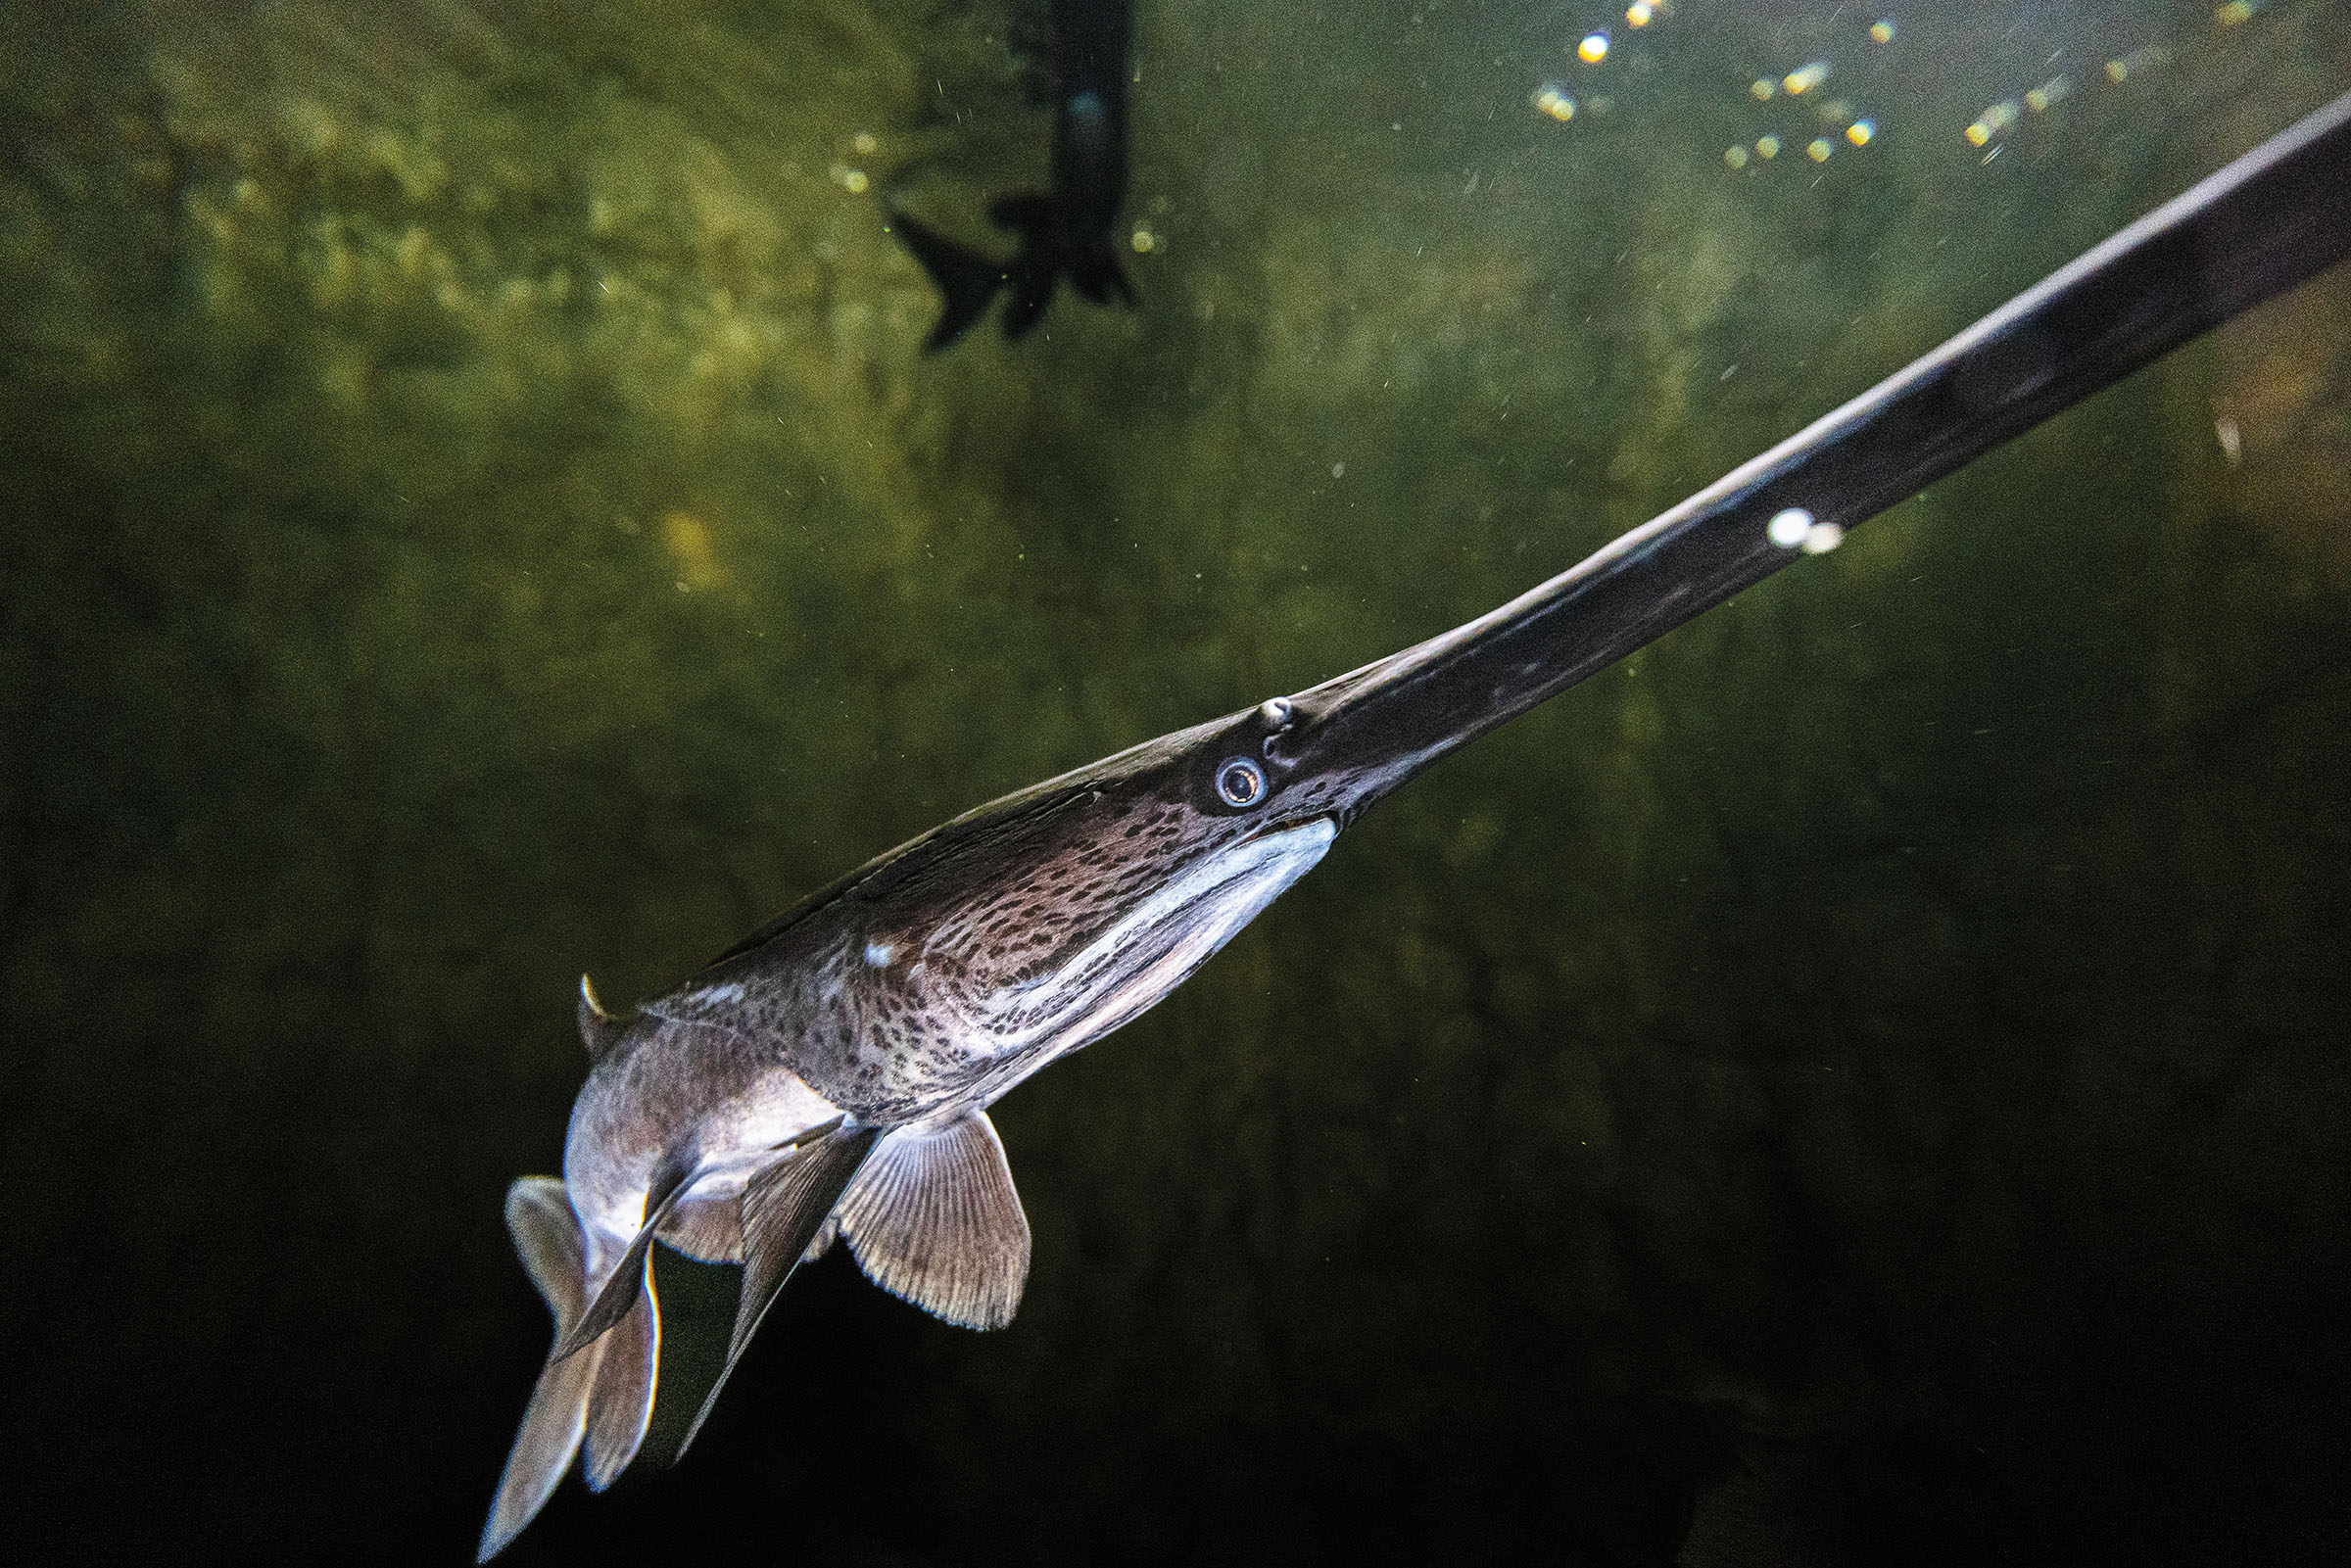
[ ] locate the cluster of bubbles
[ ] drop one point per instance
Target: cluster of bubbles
(1556, 101)
(1836, 123)
(1997, 121)
(1836, 118)
(1553, 98)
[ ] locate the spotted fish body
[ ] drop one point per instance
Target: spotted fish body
(879, 1019)
(830, 1076)
(922, 987)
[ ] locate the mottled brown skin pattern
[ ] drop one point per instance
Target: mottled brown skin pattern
(926, 984)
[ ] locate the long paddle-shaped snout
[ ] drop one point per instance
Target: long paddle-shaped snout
(2268, 221)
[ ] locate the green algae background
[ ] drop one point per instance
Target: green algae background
(1861, 1081)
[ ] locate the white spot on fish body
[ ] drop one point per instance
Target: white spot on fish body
(878, 954)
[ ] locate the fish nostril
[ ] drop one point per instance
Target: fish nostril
(1240, 782)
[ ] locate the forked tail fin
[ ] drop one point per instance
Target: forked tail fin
(1096, 275)
(1047, 253)
(967, 281)
(601, 1396)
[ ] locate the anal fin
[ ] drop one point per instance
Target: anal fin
(783, 1207)
(935, 1220)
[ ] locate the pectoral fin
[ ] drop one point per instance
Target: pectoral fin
(621, 1286)
(933, 1219)
(783, 1207)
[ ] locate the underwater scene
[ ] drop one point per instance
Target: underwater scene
(495, 491)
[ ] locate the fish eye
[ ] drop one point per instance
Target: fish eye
(1240, 782)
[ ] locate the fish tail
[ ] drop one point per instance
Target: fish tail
(1034, 273)
(620, 1400)
(967, 281)
(1097, 275)
(553, 1250)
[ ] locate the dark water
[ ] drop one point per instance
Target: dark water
(1861, 1081)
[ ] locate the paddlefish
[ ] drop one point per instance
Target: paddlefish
(826, 1080)
(1064, 232)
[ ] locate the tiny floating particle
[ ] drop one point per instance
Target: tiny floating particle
(2232, 440)
(864, 141)
(1882, 30)
(1637, 13)
(854, 181)
(1822, 537)
(1143, 240)
(2235, 12)
(1761, 89)
(1803, 78)
(1593, 49)
(1767, 146)
(1789, 527)
(1551, 99)
(1818, 149)
(1859, 132)
(1736, 157)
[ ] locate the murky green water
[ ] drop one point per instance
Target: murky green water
(1861, 1081)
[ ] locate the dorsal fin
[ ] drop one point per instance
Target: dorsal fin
(933, 1219)
(600, 1030)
